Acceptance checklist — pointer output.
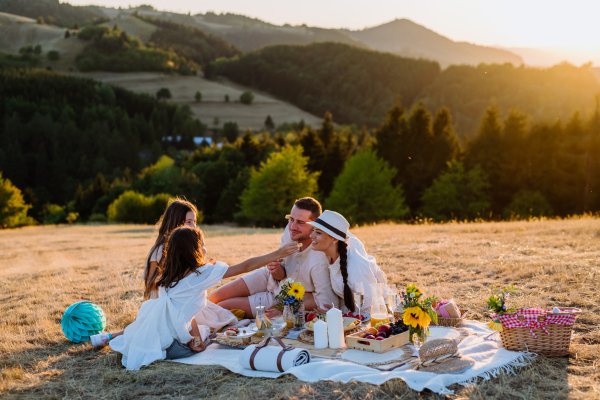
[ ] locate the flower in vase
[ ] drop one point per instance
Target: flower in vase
(415, 316)
(296, 290)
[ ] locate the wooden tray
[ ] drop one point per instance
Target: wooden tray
(354, 341)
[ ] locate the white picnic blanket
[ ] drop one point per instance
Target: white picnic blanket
(490, 359)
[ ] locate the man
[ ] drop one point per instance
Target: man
(307, 267)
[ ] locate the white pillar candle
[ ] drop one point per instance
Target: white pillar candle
(320, 334)
(335, 329)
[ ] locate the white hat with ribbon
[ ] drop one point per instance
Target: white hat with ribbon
(332, 223)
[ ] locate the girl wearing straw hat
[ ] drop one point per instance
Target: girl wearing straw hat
(349, 262)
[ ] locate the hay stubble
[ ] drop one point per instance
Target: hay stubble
(44, 269)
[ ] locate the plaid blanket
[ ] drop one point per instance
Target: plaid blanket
(530, 319)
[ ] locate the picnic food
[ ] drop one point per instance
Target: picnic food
(264, 324)
(310, 317)
(372, 330)
(352, 315)
(232, 332)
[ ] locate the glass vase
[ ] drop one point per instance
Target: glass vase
(421, 335)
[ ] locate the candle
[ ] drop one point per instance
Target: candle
(320, 334)
(335, 329)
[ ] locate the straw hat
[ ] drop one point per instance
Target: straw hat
(441, 356)
(333, 223)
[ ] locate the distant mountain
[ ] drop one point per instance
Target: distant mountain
(62, 14)
(408, 39)
(549, 56)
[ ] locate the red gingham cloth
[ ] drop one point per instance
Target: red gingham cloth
(531, 314)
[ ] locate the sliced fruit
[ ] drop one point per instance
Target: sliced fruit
(268, 322)
(372, 330)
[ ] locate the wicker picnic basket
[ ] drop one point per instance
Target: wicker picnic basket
(555, 343)
(451, 322)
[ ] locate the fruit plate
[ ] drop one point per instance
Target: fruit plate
(244, 333)
(349, 324)
(277, 326)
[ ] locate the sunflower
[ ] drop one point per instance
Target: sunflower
(496, 325)
(296, 290)
(415, 316)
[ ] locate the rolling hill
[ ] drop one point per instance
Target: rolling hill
(408, 39)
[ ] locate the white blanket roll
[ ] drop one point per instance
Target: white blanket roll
(266, 358)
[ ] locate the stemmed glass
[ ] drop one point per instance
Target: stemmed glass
(359, 297)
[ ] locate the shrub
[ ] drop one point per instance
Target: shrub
(457, 193)
(363, 193)
(163, 93)
(272, 190)
(54, 214)
(231, 131)
(13, 210)
(527, 204)
(247, 97)
(72, 217)
(137, 208)
(226, 98)
(98, 218)
(53, 55)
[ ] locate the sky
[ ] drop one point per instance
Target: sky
(508, 23)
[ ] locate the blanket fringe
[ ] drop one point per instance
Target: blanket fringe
(511, 368)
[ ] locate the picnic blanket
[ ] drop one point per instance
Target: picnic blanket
(490, 359)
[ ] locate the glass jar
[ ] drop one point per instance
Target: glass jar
(379, 311)
(289, 316)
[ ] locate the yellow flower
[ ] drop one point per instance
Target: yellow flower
(296, 290)
(415, 316)
(495, 325)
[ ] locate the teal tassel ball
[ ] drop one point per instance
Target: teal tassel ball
(82, 320)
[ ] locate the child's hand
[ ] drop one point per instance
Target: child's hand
(287, 249)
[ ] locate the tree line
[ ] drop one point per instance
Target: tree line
(74, 149)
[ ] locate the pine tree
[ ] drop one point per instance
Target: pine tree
(269, 124)
(327, 129)
(251, 149)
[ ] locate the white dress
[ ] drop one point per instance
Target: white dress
(168, 317)
(361, 267)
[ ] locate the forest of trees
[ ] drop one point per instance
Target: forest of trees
(355, 85)
(114, 50)
(62, 138)
(73, 149)
(358, 85)
(190, 43)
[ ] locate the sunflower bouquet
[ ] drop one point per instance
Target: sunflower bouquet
(291, 294)
(418, 313)
(498, 304)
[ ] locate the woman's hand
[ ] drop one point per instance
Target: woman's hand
(287, 249)
(196, 344)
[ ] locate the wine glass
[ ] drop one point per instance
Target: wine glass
(359, 297)
(417, 341)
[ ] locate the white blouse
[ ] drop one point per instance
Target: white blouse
(168, 317)
(361, 268)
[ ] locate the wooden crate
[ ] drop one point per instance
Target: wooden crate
(354, 341)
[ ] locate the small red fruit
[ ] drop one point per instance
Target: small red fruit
(310, 317)
(381, 334)
(384, 328)
(379, 338)
(369, 336)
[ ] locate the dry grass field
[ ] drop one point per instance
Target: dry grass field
(184, 88)
(45, 269)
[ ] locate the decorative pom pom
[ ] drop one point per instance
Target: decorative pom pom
(82, 320)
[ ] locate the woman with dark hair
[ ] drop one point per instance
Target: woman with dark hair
(349, 262)
(179, 212)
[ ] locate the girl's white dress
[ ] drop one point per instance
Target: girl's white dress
(168, 317)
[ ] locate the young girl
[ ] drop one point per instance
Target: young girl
(176, 324)
(179, 212)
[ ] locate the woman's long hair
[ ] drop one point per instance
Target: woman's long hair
(348, 297)
(183, 255)
(173, 217)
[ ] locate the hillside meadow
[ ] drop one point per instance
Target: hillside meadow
(45, 269)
